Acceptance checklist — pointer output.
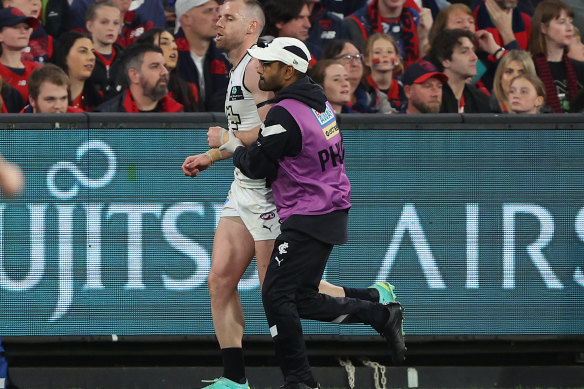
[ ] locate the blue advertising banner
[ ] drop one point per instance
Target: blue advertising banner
(481, 231)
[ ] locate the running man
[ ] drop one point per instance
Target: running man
(249, 223)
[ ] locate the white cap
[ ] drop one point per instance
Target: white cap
(182, 6)
(290, 51)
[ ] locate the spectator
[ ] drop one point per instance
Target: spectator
(291, 19)
(423, 87)
(147, 78)
(454, 55)
(103, 23)
(132, 24)
(382, 58)
(184, 92)
(40, 46)
(551, 35)
(334, 79)
(364, 97)
(576, 50)
(55, 15)
(152, 10)
(325, 25)
(515, 63)
(15, 30)
(461, 16)
(409, 28)
(10, 100)
(74, 54)
(503, 19)
(578, 8)
(526, 94)
(199, 59)
(49, 91)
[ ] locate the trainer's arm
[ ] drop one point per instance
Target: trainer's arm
(279, 137)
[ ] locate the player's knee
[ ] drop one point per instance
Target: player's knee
(218, 283)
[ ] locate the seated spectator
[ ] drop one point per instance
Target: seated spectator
(132, 24)
(74, 54)
(49, 91)
(40, 46)
(334, 79)
(200, 61)
(290, 18)
(526, 94)
(325, 25)
(423, 87)
(513, 64)
(576, 49)
(409, 27)
(147, 78)
(103, 24)
(382, 58)
(505, 21)
(578, 8)
(489, 52)
(10, 100)
(55, 15)
(182, 91)
(454, 55)
(551, 36)
(364, 97)
(15, 30)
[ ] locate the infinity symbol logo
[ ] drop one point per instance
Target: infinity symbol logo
(81, 178)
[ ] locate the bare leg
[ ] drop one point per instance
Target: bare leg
(326, 287)
(233, 249)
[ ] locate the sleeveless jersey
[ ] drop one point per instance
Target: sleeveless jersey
(242, 114)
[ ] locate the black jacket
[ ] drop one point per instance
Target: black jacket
(475, 101)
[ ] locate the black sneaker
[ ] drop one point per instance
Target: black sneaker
(394, 334)
(298, 386)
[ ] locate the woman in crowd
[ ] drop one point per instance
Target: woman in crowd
(334, 79)
(526, 94)
(184, 92)
(552, 33)
(74, 54)
(515, 63)
(364, 97)
(382, 58)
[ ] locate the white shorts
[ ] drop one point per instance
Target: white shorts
(256, 209)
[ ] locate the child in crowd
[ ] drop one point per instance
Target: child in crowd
(334, 79)
(103, 23)
(15, 31)
(513, 64)
(526, 94)
(382, 58)
(40, 47)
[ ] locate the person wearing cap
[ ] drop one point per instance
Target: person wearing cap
(300, 153)
(200, 61)
(15, 30)
(454, 55)
(423, 87)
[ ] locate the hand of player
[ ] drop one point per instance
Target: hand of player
(233, 143)
(11, 179)
(195, 164)
(216, 136)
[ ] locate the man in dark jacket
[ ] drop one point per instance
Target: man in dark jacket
(147, 78)
(454, 55)
(300, 152)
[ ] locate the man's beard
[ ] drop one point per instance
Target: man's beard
(426, 108)
(158, 91)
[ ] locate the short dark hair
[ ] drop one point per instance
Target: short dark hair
(133, 55)
(443, 47)
(280, 11)
(48, 72)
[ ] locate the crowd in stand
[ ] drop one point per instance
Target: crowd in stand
(376, 56)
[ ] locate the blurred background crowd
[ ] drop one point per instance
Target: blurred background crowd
(377, 56)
